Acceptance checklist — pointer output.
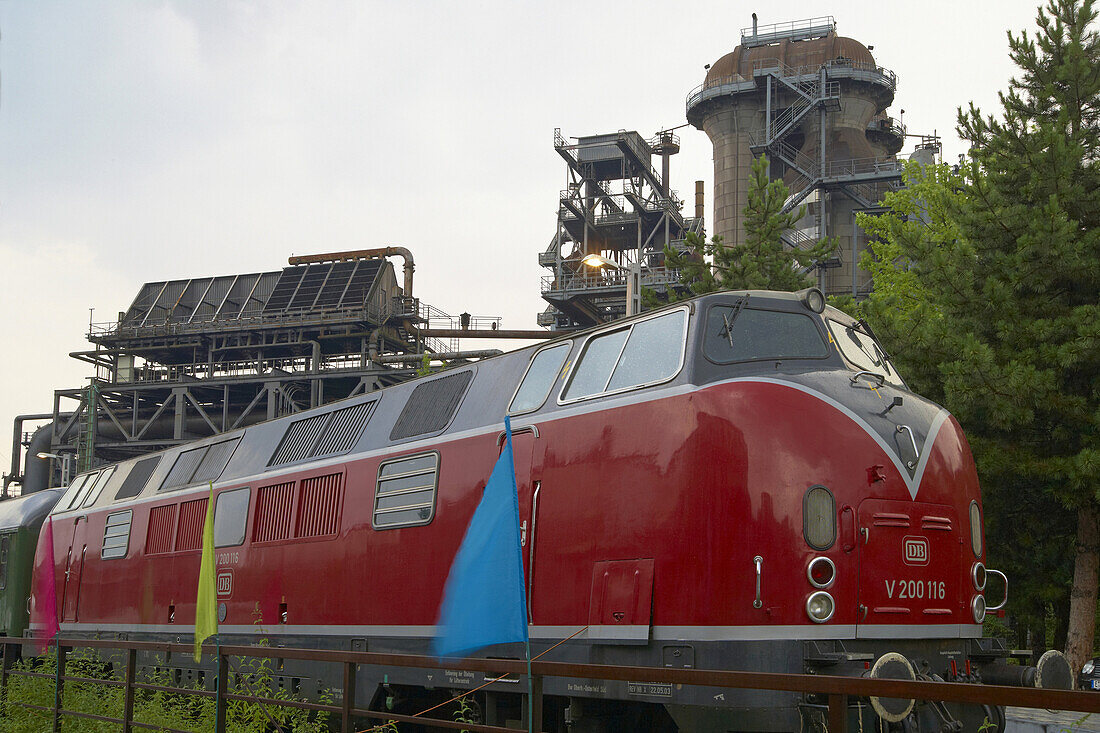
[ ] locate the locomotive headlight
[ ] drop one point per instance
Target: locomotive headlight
(977, 574)
(977, 607)
(813, 299)
(820, 607)
(821, 572)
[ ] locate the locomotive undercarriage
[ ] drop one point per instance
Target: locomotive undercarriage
(604, 706)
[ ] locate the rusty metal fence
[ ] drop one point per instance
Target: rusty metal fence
(837, 690)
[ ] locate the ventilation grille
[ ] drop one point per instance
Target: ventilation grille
(199, 465)
(300, 440)
(183, 468)
(319, 506)
(214, 462)
(192, 517)
(137, 478)
(344, 429)
(274, 505)
(323, 435)
(162, 523)
(431, 406)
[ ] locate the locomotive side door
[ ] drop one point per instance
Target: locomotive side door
(74, 568)
(908, 564)
(524, 441)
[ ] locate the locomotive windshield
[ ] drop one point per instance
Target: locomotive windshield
(861, 349)
(735, 334)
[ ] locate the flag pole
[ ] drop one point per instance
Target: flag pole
(530, 689)
(219, 710)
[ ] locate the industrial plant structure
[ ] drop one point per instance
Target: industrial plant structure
(815, 104)
(197, 357)
(615, 217)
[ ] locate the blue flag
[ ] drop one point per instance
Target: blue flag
(484, 601)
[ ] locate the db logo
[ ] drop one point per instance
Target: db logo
(224, 582)
(916, 551)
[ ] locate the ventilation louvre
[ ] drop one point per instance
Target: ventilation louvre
(199, 465)
(319, 505)
(183, 468)
(431, 406)
(323, 435)
(162, 523)
(344, 429)
(274, 505)
(300, 440)
(189, 532)
(214, 462)
(137, 478)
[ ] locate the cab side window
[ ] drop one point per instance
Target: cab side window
(645, 352)
(230, 517)
(539, 379)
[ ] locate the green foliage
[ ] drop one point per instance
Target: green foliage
(986, 293)
(425, 366)
(763, 262)
(466, 712)
(161, 709)
(916, 235)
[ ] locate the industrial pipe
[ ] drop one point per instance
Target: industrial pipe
(17, 445)
(374, 343)
(364, 254)
(439, 356)
(486, 333)
(36, 471)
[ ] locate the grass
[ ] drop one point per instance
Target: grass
(178, 711)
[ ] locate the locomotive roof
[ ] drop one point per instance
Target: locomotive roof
(27, 510)
(480, 392)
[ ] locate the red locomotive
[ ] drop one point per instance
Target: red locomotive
(741, 481)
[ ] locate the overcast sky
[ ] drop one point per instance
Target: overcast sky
(144, 141)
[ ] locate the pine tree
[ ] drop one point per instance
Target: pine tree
(763, 262)
(1010, 300)
(918, 233)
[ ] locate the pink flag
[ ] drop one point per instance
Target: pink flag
(44, 623)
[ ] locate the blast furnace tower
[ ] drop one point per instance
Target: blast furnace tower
(815, 103)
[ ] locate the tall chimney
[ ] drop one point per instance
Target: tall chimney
(698, 199)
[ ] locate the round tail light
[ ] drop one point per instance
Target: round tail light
(821, 572)
(977, 574)
(820, 607)
(977, 607)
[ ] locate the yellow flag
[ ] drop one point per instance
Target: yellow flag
(206, 612)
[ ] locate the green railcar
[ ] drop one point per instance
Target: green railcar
(20, 522)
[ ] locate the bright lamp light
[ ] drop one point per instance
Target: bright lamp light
(595, 260)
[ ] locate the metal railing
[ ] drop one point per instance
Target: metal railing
(775, 31)
(862, 166)
(608, 279)
(862, 70)
(887, 125)
(835, 690)
(248, 319)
